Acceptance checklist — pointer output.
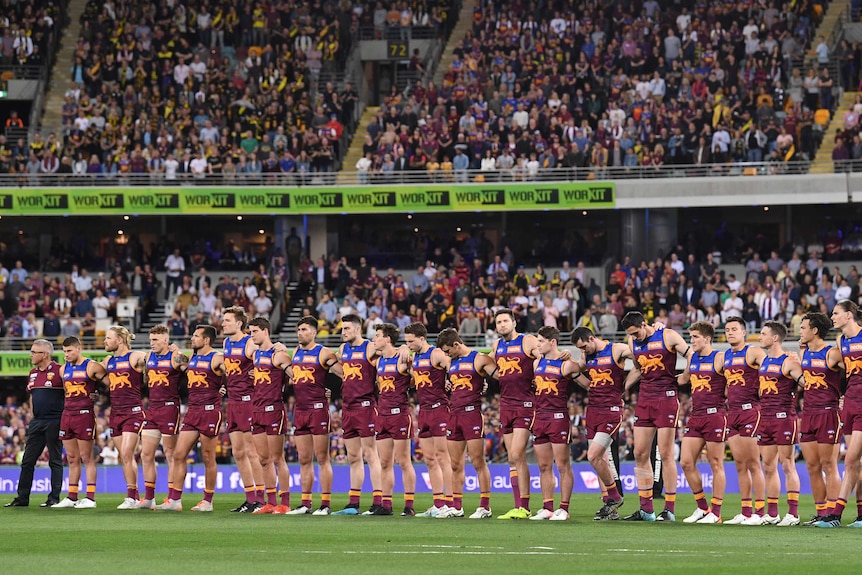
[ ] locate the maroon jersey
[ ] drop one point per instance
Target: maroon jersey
(392, 384)
(552, 387)
(777, 391)
(268, 380)
(237, 369)
(467, 383)
(309, 378)
(607, 378)
(851, 353)
(78, 386)
(822, 384)
(430, 381)
(204, 383)
(743, 380)
(357, 386)
(163, 380)
(707, 385)
(46, 390)
(125, 382)
(658, 366)
(515, 372)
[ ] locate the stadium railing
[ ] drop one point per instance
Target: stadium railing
(419, 176)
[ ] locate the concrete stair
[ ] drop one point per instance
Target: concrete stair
(465, 23)
(354, 152)
(822, 164)
(52, 117)
(826, 28)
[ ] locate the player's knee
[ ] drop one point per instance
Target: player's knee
(546, 466)
(687, 464)
(208, 457)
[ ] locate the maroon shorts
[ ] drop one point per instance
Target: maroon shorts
(603, 420)
(78, 424)
(658, 413)
(239, 415)
(272, 420)
(205, 419)
(358, 421)
(165, 418)
(465, 425)
(851, 417)
(774, 430)
(126, 420)
(552, 428)
(821, 426)
(711, 427)
(744, 423)
(512, 418)
(311, 422)
(394, 426)
(433, 422)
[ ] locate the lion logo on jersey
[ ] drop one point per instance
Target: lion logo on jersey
(119, 380)
(158, 378)
(853, 366)
(422, 379)
(599, 377)
(461, 382)
(768, 385)
(352, 371)
(546, 386)
(197, 379)
(651, 362)
(700, 383)
(74, 388)
(507, 366)
(302, 374)
(231, 367)
(262, 377)
(815, 381)
(735, 377)
(386, 383)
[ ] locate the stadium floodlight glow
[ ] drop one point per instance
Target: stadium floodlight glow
(3, 94)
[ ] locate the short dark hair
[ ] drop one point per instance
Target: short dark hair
(417, 329)
(448, 336)
(72, 342)
(549, 332)
(704, 328)
(820, 321)
(207, 332)
(777, 328)
(632, 319)
(581, 334)
(260, 322)
(389, 330)
(504, 311)
(352, 318)
(735, 319)
(307, 320)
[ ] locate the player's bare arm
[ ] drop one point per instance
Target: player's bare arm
(834, 359)
(217, 364)
(330, 362)
(634, 375)
(793, 369)
(439, 359)
(754, 356)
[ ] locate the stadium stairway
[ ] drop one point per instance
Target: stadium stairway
(354, 152)
(286, 333)
(465, 23)
(52, 117)
(826, 28)
(822, 164)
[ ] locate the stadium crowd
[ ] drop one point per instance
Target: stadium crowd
(609, 86)
(450, 292)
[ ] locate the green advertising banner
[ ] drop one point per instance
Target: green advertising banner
(307, 200)
(17, 363)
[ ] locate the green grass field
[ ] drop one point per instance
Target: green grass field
(105, 540)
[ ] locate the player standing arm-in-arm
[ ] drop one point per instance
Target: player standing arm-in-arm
(677, 344)
(330, 362)
(634, 375)
(218, 364)
(793, 370)
(486, 367)
(440, 360)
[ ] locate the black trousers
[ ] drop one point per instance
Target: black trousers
(42, 433)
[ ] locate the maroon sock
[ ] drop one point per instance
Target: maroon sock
(285, 498)
(772, 506)
(270, 496)
(354, 496)
(859, 507)
(759, 507)
(485, 501)
(149, 490)
(387, 502)
(564, 505)
(208, 495)
(670, 501)
(377, 498)
(645, 496)
(839, 507)
(258, 495)
(548, 504)
(457, 500)
(132, 492)
(516, 489)
(613, 492)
